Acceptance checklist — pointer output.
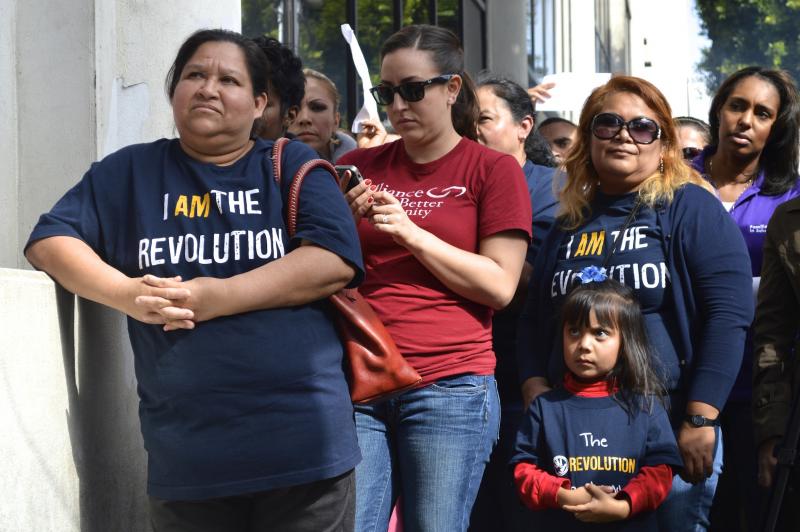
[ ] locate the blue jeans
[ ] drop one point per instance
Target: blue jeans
(431, 445)
(688, 506)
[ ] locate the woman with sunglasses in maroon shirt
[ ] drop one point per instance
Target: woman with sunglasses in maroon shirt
(633, 207)
(444, 224)
(751, 162)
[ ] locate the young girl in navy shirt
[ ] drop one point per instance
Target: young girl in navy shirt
(600, 448)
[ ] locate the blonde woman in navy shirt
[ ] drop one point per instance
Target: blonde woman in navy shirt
(632, 204)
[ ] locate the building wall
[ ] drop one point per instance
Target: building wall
(87, 78)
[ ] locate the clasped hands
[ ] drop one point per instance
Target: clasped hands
(172, 302)
(594, 504)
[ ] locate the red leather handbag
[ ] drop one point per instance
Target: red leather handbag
(374, 366)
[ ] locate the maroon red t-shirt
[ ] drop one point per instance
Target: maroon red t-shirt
(467, 195)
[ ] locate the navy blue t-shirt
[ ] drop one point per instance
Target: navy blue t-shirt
(638, 262)
(593, 439)
(242, 403)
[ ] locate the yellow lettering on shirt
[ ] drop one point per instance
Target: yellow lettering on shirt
(200, 206)
(181, 207)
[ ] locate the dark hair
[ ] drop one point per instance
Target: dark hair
(256, 61)
(448, 56)
(616, 307)
(519, 104)
(284, 73)
(555, 120)
(780, 156)
(694, 123)
(537, 150)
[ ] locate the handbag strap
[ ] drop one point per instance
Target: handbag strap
(297, 181)
(625, 225)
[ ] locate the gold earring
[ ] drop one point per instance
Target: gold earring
(661, 164)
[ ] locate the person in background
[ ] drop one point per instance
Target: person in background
(285, 88)
(373, 133)
(317, 122)
(610, 407)
(506, 123)
(244, 407)
(752, 164)
(776, 369)
(444, 225)
(632, 206)
(560, 133)
(693, 135)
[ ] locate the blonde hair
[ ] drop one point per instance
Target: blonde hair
(582, 178)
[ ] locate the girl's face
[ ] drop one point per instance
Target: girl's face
(426, 119)
(496, 126)
(746, 117)
(622, 164)
(213, 104)
(317, 120)
(590, 353)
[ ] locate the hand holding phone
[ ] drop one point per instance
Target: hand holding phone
(355, 176)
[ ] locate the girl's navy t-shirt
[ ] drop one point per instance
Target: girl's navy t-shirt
(242, 403)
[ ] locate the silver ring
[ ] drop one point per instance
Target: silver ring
(385, 219)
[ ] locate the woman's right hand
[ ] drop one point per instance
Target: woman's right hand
(533, 387)
(359, 198)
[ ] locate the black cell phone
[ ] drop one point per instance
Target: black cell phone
(355, 175)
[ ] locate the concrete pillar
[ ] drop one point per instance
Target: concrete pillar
(87, 77)
(9, 238)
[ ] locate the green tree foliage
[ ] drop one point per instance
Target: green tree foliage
(749, 32)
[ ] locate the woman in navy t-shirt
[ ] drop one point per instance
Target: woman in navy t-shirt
(632, 205)
(244, 408)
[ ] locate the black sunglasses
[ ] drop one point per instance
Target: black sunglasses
(690, 153)
(411, 91)
(642, 130)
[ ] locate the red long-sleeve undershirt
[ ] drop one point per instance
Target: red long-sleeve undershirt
(538, 489)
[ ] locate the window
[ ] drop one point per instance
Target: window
(312, 29)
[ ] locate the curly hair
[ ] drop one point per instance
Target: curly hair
(285, 73)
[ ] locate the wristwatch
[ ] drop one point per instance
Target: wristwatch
(701, 421)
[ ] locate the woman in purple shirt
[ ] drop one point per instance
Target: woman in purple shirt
(752, 163)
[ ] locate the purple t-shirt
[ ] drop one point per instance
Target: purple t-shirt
(751, 211)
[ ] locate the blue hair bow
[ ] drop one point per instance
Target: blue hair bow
(592, 274)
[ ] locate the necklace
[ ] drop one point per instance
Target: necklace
(746, 183)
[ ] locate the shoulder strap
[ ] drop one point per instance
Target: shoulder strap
(277, 154)
(625, 226)
(297, 181)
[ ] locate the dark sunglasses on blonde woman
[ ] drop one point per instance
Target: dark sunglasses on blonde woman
(642, 130)
(411, 91)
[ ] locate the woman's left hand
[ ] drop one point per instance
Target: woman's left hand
(205, 296)
(696, 445)
(388, 216)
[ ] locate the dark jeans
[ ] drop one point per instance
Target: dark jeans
(322, 506)
(738, 498)
(498, 508)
